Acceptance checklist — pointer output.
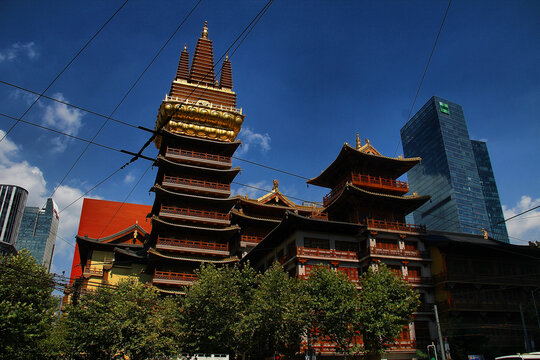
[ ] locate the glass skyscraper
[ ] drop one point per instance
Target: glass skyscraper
(450, 173)
(38, 232)
(489, 188)
(12, 202)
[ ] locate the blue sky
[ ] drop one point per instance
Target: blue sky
(309, 77)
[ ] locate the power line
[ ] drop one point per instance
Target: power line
(67, 104)
(64, 69)
(125, 96)
(515, 216)
(62, 133)
(426, 69)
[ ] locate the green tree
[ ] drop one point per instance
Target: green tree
(333, 303)
(277, 316)
(128, 319)
(26, 307)
(386, 306)
(214, 306)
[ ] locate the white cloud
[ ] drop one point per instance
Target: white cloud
(129, 178)
(21, 173)
(61, 117)
(526, 226)
(250, 138)
(17, 49)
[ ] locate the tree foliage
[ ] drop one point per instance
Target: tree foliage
(333, 304)
(26, 307)
(129, 319)
(277, 316)
(386, 305)
(213, 307)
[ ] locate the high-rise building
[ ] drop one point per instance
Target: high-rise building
(450, 172)
(12, 202)
(489, 188)
(38, 232)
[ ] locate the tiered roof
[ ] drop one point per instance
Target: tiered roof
(363, 157)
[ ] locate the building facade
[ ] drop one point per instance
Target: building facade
(12, 203)
(38, 231)
(197, 125)
(449, 172)
(362, 223)
(489, 188)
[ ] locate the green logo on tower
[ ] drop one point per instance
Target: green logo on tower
(444, 108)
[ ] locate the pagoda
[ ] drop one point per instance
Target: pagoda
(196, 126)
(257, 217)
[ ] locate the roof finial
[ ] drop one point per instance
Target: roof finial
(358, 142)
(185, 47)
(367, 141)
(485, 233)
(227, 57)
(275, 185)
(205, 30)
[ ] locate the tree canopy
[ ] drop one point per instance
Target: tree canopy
(386, 304)
(128, 319)
(26, 307)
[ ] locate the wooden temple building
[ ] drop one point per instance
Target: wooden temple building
(194, 220)
(362, 224)
(197, 125)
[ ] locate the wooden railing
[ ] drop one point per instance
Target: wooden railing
(328, 198)
(174, 276)
(373, 250)
(251, 238)
(198, 155)
(192, 244)
(327, 253)
(393, 225)
(194, 212)
(89, 270)
(530, 279)
(196, 183)
(379, 182)
(319, 215)
(418, 280)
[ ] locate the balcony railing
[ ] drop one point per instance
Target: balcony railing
(202, 246)
(492, 278)
(418, 280)
(96, 271)
(198, 155)
(327, 253)
(254, 239)
(174, 277)
(179, 212)
(373, 250)
(393, 225)
(208, 105)
(318, 215)
(327, 199)
(202, 184)
(379, 183)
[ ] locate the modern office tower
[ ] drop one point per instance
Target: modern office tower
(38, 232)
(449, 173)
(12, 202)
(489, 188)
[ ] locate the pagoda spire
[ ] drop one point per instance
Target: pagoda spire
(202, 67)
(225, 80)
(183, 65)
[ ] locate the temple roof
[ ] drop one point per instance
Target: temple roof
(202, 66)
(292, 222)
(354, 195)
(236, 213)
(153, 253)
(229, 230)
(367, 156)
(221, 174)
(226, 148)
(225, 80)
(219, 203)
